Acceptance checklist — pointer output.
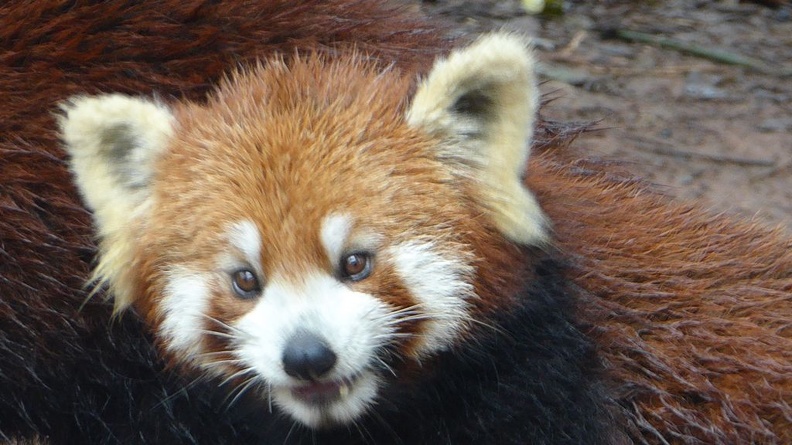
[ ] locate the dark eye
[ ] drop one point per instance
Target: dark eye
(356, 266)
(245, 283)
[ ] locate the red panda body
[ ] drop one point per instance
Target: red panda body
(334, 246)
(690, 309)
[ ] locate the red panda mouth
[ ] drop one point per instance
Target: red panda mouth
(323, 393)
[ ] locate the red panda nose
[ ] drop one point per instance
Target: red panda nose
(307, 356)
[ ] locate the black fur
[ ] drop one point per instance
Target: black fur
(532, 380)
(105, 386)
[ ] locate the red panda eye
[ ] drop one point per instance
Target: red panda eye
(245, 283)
(356, 266)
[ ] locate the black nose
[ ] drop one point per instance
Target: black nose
(307, 356)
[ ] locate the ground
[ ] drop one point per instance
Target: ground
(703, 130)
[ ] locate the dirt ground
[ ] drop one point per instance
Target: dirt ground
(704, 130)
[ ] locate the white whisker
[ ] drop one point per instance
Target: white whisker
(393, 335)
(215, 353)
(386, 366)
(241, 390)
(269, 396)
(218, 334)
(286, 440)
(486, 325)
(226, 362)
(227, 326)
(237, 374)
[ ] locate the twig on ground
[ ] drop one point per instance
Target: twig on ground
(674, 70)
(720, 56)
(663, 148)
(573, 44)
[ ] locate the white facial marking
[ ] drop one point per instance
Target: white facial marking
(353, 324)
(334, 233)
(184, 304)
(245, 236)
(442, 287)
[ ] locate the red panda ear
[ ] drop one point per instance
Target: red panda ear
(483, 101)
(113, 142)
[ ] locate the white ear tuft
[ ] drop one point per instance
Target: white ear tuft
(113, 142)
(483, 101)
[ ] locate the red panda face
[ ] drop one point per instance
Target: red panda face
(311, 235)
(309, 230)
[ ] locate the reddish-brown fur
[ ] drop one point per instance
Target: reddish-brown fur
(691, 311)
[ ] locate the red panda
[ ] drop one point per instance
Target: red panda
(310, 237)
(336, 246)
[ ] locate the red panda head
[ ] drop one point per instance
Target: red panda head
(312, 227)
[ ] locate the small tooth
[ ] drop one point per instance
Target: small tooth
(343, 390)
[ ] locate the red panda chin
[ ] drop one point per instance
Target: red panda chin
(326, 404)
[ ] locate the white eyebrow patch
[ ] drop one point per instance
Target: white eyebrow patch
(334, 233)
(244, 235)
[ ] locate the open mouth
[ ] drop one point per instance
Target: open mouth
(328, 402)
(324, 393)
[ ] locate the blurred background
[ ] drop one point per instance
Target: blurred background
(695, 96)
